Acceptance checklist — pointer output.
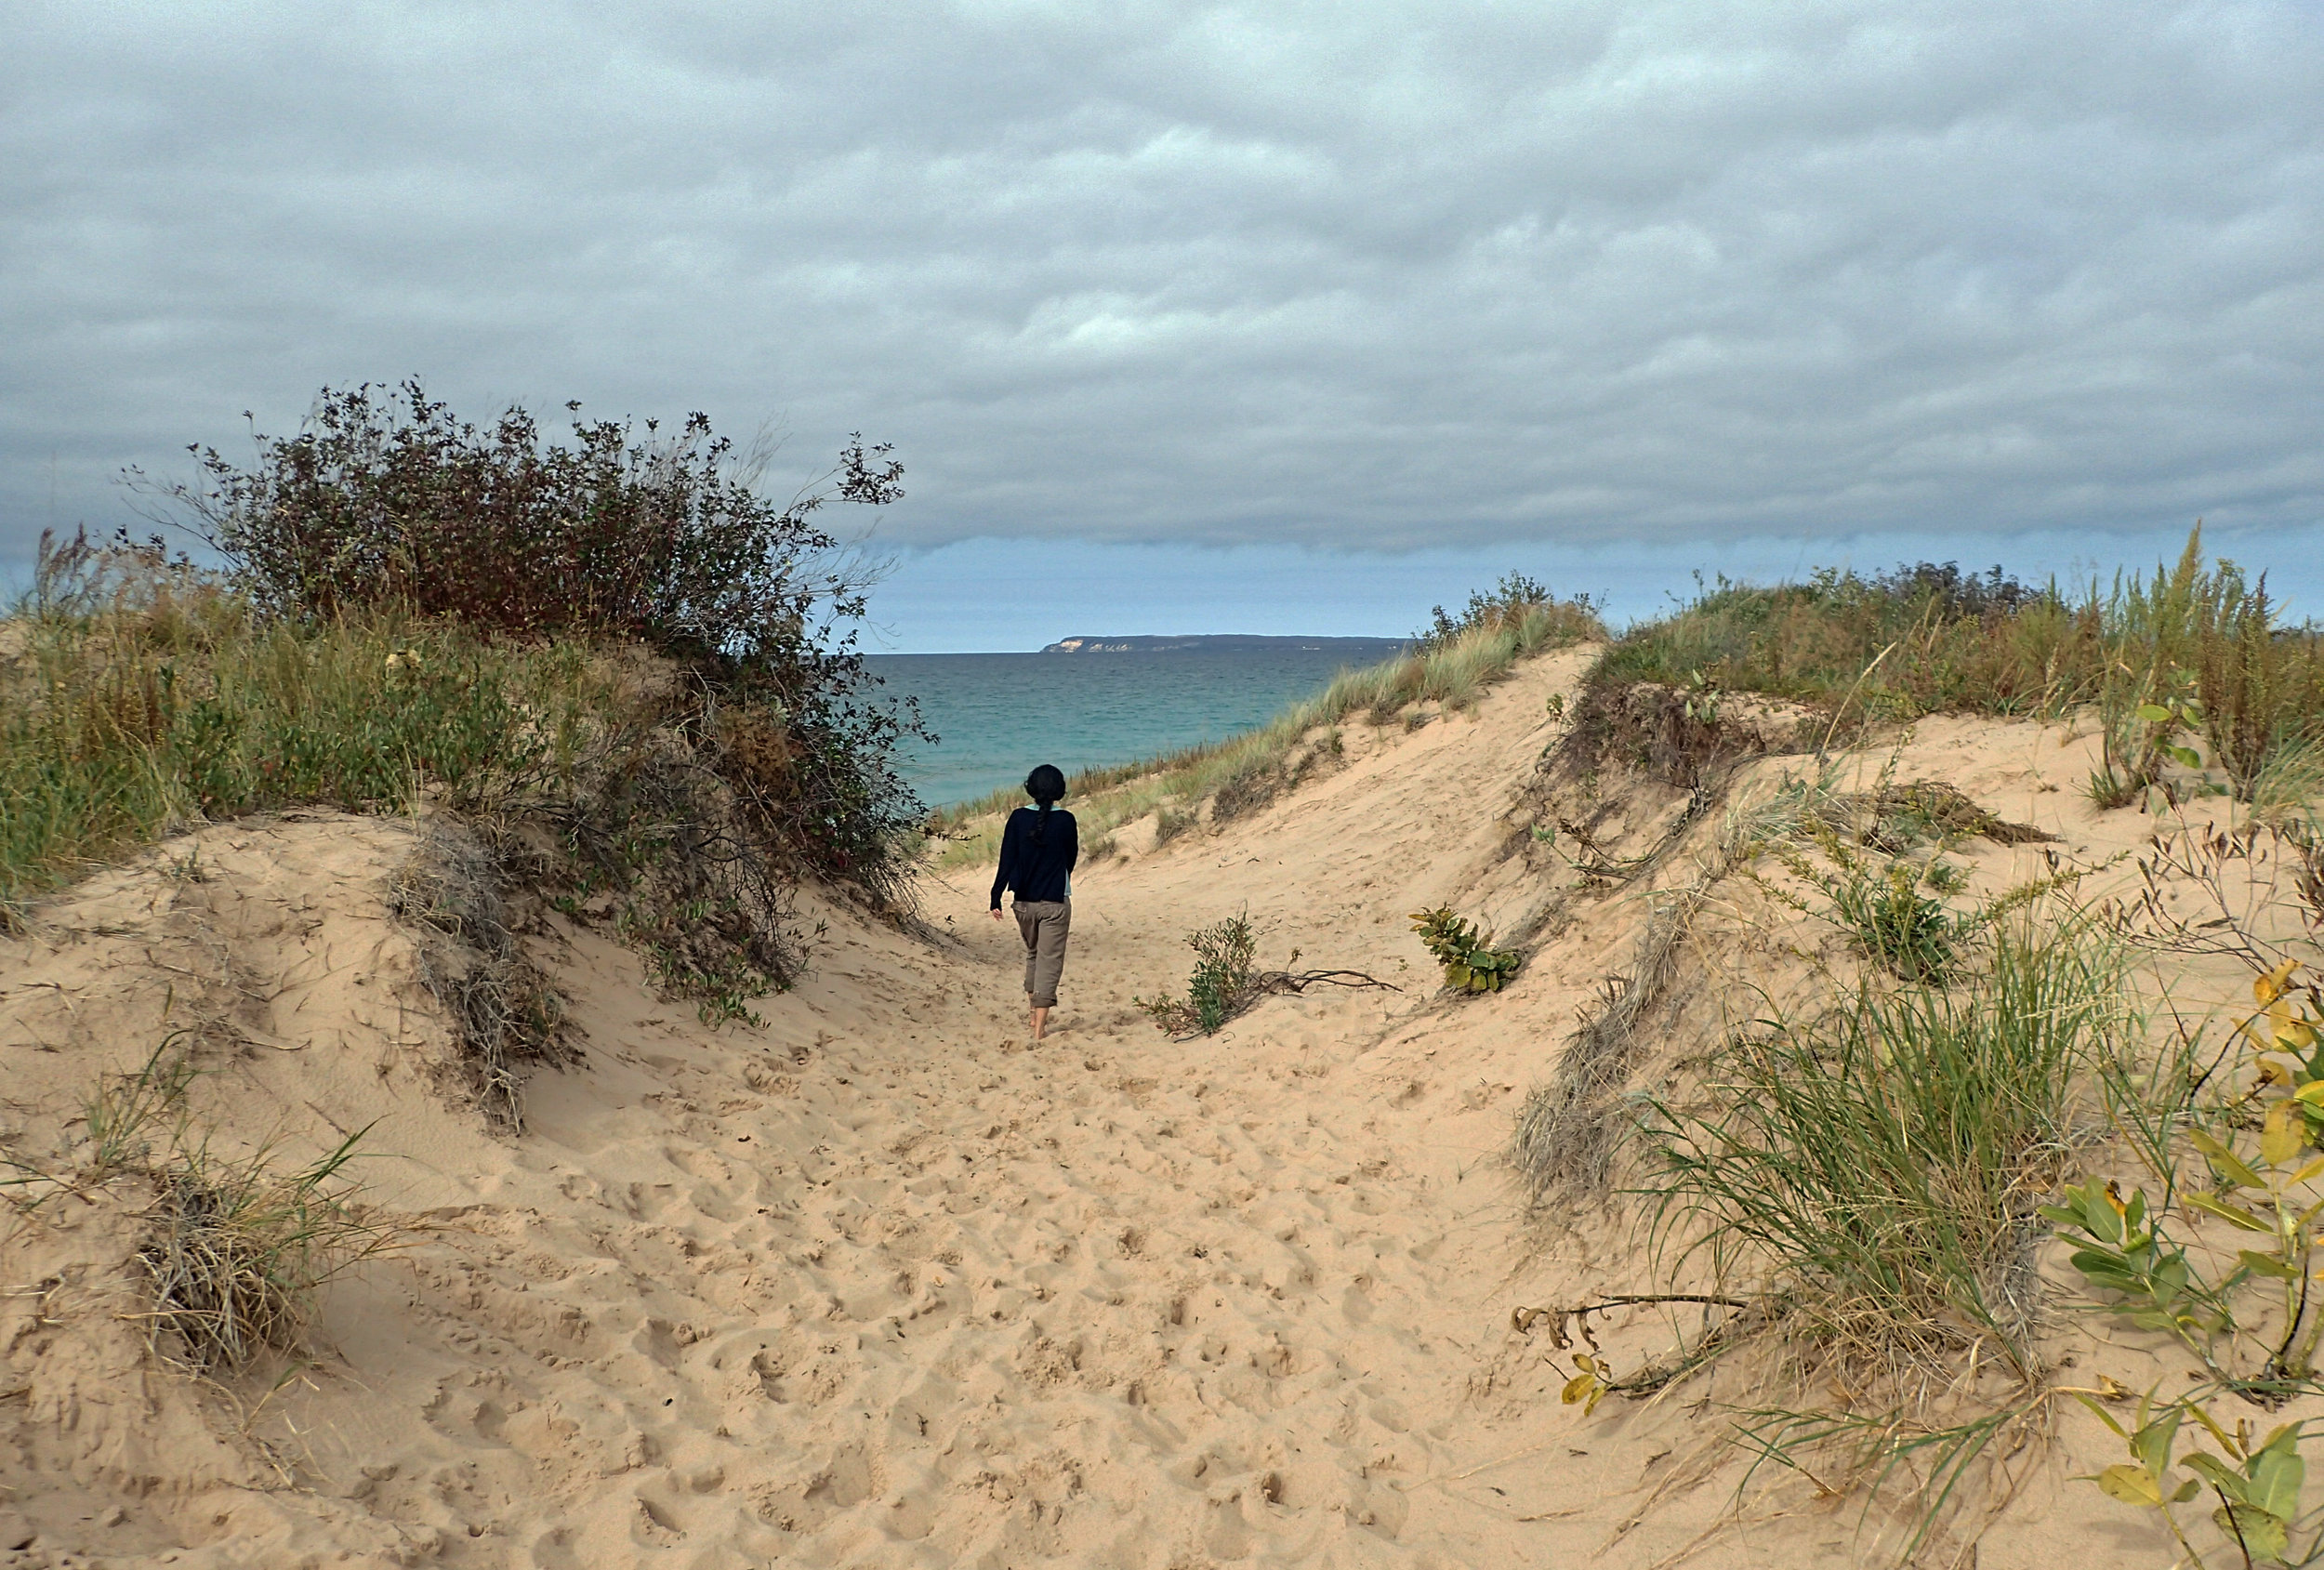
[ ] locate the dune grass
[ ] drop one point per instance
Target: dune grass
(1451, 669)
(1878, 1168)
(2190, 656)
(236, 1249)
(147, 701)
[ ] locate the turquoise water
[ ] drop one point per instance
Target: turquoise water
(998, 715)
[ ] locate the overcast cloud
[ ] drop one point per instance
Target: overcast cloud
(1338, 275)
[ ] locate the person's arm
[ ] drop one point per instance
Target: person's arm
(1072, 844)
(1007, 860)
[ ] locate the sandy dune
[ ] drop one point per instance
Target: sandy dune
(882, 1283)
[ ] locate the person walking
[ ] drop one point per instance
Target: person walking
(1038, 851)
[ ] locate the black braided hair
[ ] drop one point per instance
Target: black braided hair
(1046, 785)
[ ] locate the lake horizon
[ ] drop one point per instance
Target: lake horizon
(997, 715)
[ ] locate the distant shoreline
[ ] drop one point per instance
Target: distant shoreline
(1355, 648)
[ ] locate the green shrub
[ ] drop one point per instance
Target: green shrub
(1471, 963)
(387, 504)
(387, 499)
(1221, 986)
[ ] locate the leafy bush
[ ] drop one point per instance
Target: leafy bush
(1471, 963)
(387, 503)
(1510, 603)
(388, 500)
(1221, 984)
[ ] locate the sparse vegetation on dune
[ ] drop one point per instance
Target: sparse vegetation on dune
(613, 659)
(2189, 654)
(233, 1249)
(1856, 1181)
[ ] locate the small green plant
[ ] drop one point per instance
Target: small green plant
(1895, 925)
(1220, 983)
(124, 1108)
(1471, 963)
(1224, 983)
(2117, 1252)
(2122, 1248)
(1880, 904)
(2257, 1485)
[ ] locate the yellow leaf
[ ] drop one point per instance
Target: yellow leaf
(2270, 987)
(2306, 1173)
(2279, 1021)
(1577, 1387)
(2131, 1484)
(2312, 1093)
(2281, 1139)
(2274, 1073)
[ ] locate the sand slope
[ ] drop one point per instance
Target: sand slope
(882, 1284)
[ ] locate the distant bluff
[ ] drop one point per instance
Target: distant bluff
(1358, 649)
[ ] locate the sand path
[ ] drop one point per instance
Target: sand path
(885, 1283)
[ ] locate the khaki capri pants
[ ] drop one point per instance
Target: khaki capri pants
(1043, 924)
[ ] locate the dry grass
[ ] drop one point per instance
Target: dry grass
(507, 1013)
(236, 1250)
(1570, 1127)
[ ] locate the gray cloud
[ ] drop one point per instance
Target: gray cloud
(1319, 275)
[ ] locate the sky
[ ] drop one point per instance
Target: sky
(1290, 318)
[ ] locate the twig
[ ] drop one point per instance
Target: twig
(1298, 982)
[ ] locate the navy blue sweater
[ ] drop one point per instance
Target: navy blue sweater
(1035, 857)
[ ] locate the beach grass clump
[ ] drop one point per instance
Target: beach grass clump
(1876, 1169)
(234, 1250)
(238, 1250)
(1451, 667)
(138, 697)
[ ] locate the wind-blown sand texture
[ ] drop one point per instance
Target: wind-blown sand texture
(882, 1283)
